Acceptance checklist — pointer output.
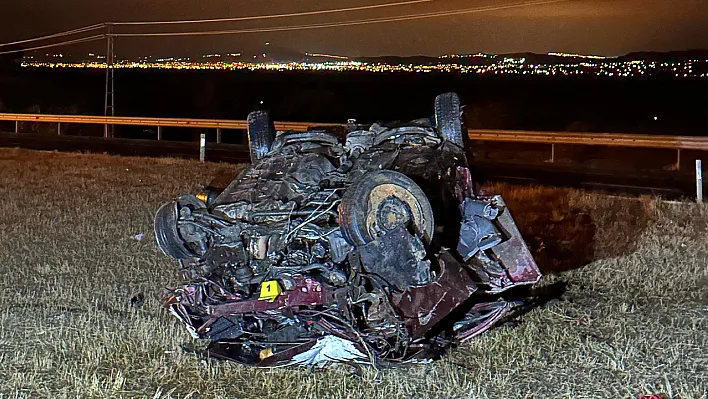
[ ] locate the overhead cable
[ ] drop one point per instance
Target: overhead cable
(235, 19)
(55, 35)
(409, 17)
(274, 16)
(65, 43)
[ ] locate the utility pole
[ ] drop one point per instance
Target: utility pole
(110, 109)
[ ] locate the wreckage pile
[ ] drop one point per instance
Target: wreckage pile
(372, 250)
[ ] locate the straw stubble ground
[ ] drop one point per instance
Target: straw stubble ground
(633, 318)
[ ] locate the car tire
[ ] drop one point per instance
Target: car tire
(364, 203)
(448, 118)
(261, 133)
(166, 231)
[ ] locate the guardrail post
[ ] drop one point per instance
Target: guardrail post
(17, 126)
(159, 132)
(202, 147)
(218, 135)
(58, 128)
(105, 131)
(699, 181)
(678, 159)
(553, 152)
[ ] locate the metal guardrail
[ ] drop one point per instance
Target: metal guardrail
(516, 136)
(603, 139)
(676, 143)
(156, 122)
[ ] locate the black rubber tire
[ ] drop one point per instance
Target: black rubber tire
(166, 234)
(165, 227)
(355, 204)
(261, 133)
(448, 118)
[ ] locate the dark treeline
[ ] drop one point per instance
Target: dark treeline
(632, 105)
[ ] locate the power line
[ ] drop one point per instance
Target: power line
(65, 43)
(273, 16)
(55, 35)
(271, 29)
(236, 19)
(345, 23)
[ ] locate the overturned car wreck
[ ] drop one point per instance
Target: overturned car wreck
(372, 249)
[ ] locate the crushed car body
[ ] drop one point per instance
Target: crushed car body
(373, 249)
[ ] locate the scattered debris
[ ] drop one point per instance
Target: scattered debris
(137, 300)
(369, 252)
(139, 236)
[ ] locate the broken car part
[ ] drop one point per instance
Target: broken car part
(369, 250)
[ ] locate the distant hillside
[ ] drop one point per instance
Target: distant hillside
(667, 56)
(274, 53)
(396, 60)
(535, 58)
(10, 62)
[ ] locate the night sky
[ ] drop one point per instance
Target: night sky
(605, 27)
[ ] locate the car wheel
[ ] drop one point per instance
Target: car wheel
(261, 134)
(448, 118)
(166, 230)
(379, 202)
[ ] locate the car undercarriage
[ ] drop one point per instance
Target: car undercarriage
(367, 249)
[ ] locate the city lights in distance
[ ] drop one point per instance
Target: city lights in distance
(482, 64)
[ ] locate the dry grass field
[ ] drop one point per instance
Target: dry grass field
(633, 319)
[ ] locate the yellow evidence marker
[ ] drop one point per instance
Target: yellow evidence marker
(269, 290)
(265, 353)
